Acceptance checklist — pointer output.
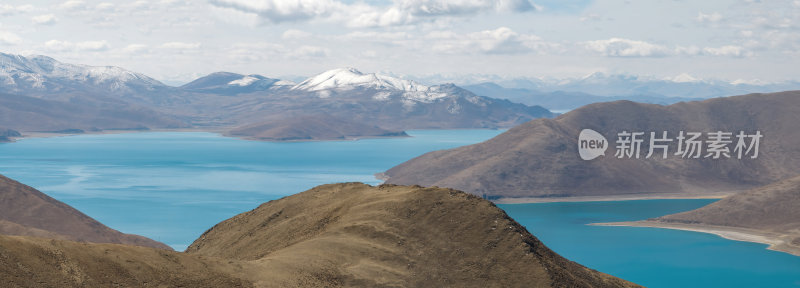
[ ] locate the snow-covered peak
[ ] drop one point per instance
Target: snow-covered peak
(754, 82)
(37, 69)
(284, 83)
(244, 81)
(684, 78)
(350, 77)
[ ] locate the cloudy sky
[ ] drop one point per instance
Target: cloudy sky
(176, 41)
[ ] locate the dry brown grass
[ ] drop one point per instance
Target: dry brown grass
(339, 235)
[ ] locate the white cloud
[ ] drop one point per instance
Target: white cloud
(378, 36)
(105, 7)
(309, 52)
(46, 19)
(9, 38)
(295, 34)
(253, 52)
(95, 46)
(135, 49)
(462, 7)
(6, 10)
(708, 18)
(276, 11)
(619, 47)
(58, 45)
(181, 46)
(729, 50)
(360, 14)
(502, 40)
(73, 5)
(92, 45)
(414, 11)
(689, 51)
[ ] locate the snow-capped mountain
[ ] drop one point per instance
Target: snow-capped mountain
(41, 74)
(112, 93)
(341, 80)
(350, 77)
(42, 94)
(227, 83)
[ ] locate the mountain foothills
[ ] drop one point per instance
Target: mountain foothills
(45, 95)
(338, 235)
(310, 127)
(540, 158)
(6, 135)
(28, 212)
(566, 100)
(771, 209)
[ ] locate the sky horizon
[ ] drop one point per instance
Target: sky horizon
(176, 41)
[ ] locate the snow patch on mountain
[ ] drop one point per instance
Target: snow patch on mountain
(684, 78)
(38, 72)
(284, 83)
(244, 81)
(350, 78)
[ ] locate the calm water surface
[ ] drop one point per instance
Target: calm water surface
(173, 186)
(650, 256)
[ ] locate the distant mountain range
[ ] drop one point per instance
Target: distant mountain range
(43, 94)
(568, 94)
(684, 86)
(624, 85)
(565, 100)
(540, 158)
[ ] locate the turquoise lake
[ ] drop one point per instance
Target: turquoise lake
(172, 186)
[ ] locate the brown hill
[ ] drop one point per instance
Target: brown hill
(330, 236)
(83, 112)
(540, 158)
(310, 127)
(39, 262)
(772, 208)
(358, 235)
(28, 212)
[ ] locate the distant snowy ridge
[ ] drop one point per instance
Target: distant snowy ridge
(42, 72)
(348, 78)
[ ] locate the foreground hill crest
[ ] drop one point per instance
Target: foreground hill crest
(337, 235)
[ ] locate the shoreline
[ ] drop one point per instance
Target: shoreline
(220, 132)
(31, 135)
(626, 197)
(774, 241)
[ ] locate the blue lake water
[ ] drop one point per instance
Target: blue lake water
(650, 256)
(173, 186)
